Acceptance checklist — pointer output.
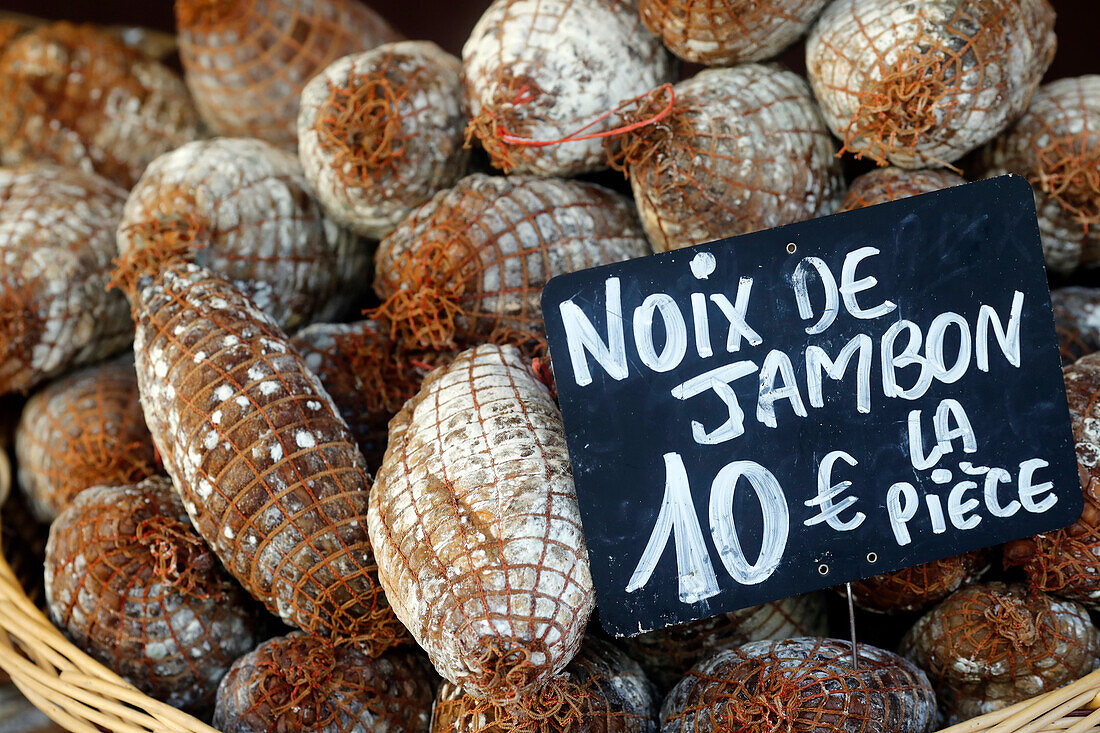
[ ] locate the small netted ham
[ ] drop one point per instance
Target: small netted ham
(304, 683)
(549, 71)
(243, 209)
(380, 132)
(1066, 562)
(1056, 146)
(56, 247)
(890, 184)
(129, 581)
(728, 31)
(265, 465)
(247, 61)
(1076, 321)
(668, 654)
(989, 646)
(922, 83)
(469, 266)
(602, 691)
(742, 149)
(84, 430)
(919, 586)
(81, 98)
(475, 523)
(801, 685)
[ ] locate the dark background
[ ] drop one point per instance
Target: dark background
(448, 23)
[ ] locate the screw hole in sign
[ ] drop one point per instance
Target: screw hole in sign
(791, 248)
(872, 557)
(823, 569)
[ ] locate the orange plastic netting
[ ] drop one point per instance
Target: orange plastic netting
(527, 71)
(602, 690)
(475, 523)
(801, 684)
(890, 184)
(78, 96)
(246, 61)
(1056, 146)
(668, 654)
(266, 468)
(743, 149)
(303, 683)
(86, 429)
(129, 581)
(728, 31)
(920, 84)
(56, 246)
(380, 132)
(244, 209)
(1065, 562)
(914, 588)
(992, 645)
(469, 266)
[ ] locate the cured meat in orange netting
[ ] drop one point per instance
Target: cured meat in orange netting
(890, 184)
(380, 132)
(922, 84)
(247, 61)
(914, 588)
(475, 523)
(78, 96)
(243, 209)
(469, 266)
(1077, 321)
(1056, 146)
(86, 429)
(131, 583)
(304, 683)
(56, 248)
(266, 467)
(801, 684)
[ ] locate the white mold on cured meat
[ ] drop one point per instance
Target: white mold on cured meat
(475, 523)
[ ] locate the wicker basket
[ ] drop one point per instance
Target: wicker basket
(79, 693)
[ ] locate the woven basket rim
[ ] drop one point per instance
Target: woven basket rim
(79, 693)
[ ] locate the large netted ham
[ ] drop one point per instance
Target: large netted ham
(801, 685)
(130, 582)
(83, 430)
(743, 149)
(989, 646)
(380, 132)
(56, 248)
(78, 96)
(601, 691)
(475, 524)
(243, 209)
(668, 654)
(305, 683)
(1066, 562)
(266, 467)
(1076, 321)
(549, 72)
(469, 266)
(728, 31)
(922, 83)
(1056, 146)
(890, 184)
(247, 61)
(919, 586)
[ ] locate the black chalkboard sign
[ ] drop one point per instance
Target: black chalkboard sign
(796, 408)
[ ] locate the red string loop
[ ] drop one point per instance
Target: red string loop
(525, 96)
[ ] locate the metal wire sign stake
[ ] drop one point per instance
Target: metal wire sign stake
(852, 626)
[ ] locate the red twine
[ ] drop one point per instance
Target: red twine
(525, 96)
